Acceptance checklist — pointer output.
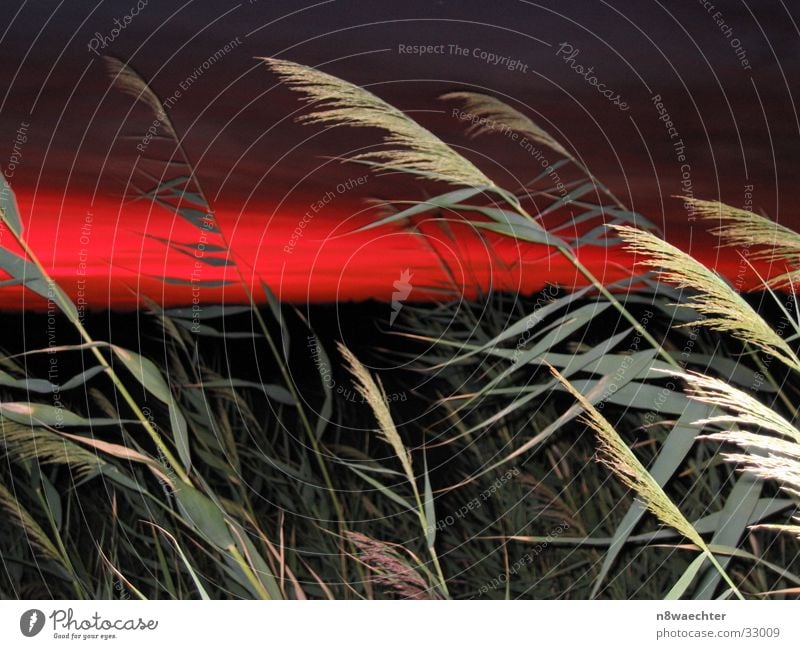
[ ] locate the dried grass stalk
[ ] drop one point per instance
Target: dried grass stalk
(744, 229)
(373, 393)
(618, 457)
(388, 568)
(35, 535)
(408, 146)
(127, 80)
(765, 456)
(725, 310)
(495, 115)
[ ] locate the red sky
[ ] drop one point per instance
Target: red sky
(99, 254)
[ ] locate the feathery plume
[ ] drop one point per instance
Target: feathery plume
(745, 229)
(35, 535)
(408, 146)
(388, 568)
(496, 115)
(779, 457)
(127, 80)
(725, 310)
(40, 445)
(618, 457)
(744, 410)
(373, 393)
(783, 470)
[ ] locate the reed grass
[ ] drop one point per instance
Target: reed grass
(230, 488)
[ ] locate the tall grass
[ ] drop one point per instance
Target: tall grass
(179, 475)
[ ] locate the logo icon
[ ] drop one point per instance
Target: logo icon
(31, 622)
(402, 290)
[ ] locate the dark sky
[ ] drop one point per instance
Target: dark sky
(736, 122)
(727, 73)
